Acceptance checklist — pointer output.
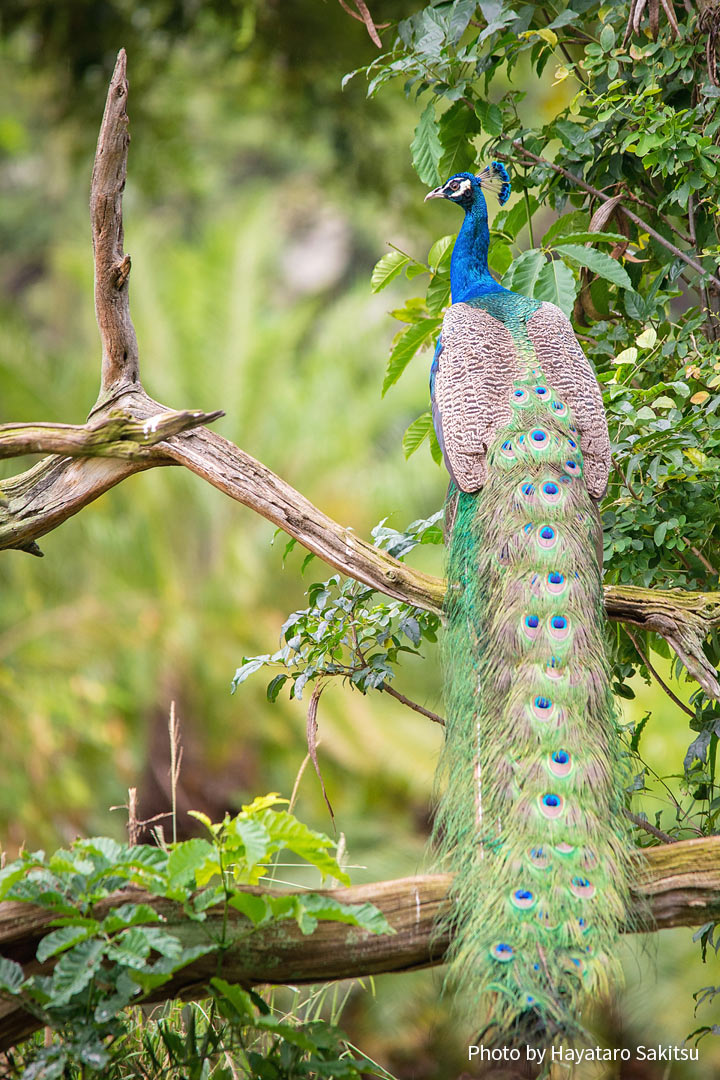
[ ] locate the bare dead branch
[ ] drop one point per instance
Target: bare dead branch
(120, 364)
(678, 885)
(119, 435)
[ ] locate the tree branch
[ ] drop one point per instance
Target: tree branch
(120, 364)
(119, 435)
(678, 885)
(579, 182)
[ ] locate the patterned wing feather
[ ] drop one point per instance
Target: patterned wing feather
(569, 372)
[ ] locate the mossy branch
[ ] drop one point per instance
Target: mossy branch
(679, 885)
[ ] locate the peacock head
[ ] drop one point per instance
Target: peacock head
(468, 190)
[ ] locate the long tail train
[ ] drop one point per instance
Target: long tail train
(531, 816)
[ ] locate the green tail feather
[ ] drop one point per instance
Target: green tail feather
(530, 819)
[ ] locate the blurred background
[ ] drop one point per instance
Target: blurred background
(260, 194)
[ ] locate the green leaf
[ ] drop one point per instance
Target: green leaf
(556, 283)
(187, 857)
(62, 939)
(438, 293)
(415, 338)
(416, 433)
(276, 685)
(585, 237)
(287, 832)
(516, 218)
(11, 976)
(435, 451)
(598, 261)
(441, 250)
(75, 969)
(366, 915)
(254, 907)
(490, 118)
(387, 269)
(426, 148)
(238, 998)
(524, 272)
(575, 221)
(254, 836)
(660, 533)
(607, 38)
(457, 127)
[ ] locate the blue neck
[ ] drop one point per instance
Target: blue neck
(469, 274)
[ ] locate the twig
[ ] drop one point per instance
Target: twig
(653, 672)
(579, 182)
(652, 829)
(388, 689)
(176, 755)
(699, 555)
(365, 17)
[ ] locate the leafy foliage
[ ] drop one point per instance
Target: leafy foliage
(108, 962)
(347, 631)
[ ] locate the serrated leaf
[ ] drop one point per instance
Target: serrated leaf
(11, 976)
(248, 667)
(516, 217)
(598, 261)
(367, 916)
(456, 129)
(62, 939)
(490, 118)
(556, 283)
(574, 222)
(587, 237)
(415, 338)
(438, 293)
(75, 969)
(523, 272)
(426, 148)
(386, 269)
(187, 857)
(416, 433)
(254, 836)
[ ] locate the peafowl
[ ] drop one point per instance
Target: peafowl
(530, 819)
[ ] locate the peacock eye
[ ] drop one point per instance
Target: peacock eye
(454, 185)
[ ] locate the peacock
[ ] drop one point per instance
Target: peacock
(531, 816)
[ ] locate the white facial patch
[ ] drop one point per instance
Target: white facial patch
(465, 186)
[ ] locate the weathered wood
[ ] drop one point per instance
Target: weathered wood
(118, 435)
(679, 885)
(120, 364)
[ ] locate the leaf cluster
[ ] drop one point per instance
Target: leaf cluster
(106, 959)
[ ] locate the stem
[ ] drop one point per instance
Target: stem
(411, 704)
(529, 217)
(653, 672)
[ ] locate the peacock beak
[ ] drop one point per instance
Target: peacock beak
(437, 193)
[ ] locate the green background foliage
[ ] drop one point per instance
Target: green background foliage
(260, 197)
